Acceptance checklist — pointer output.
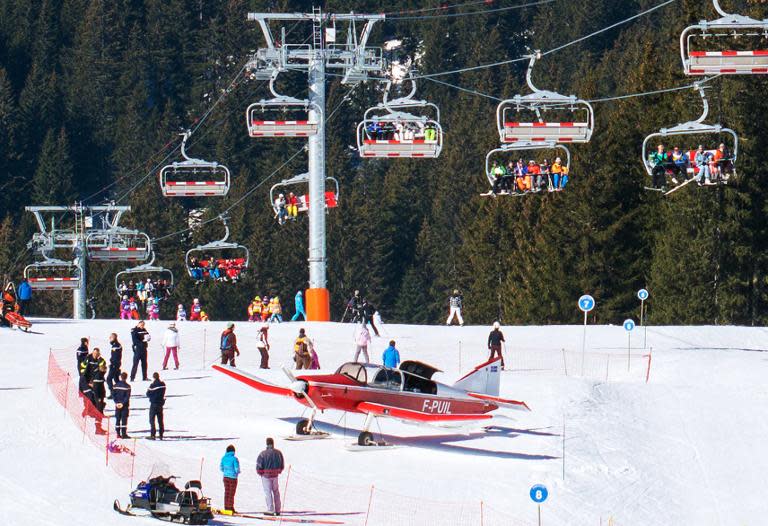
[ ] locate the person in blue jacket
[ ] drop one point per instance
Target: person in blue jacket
(230, 468)
(299, 302)
(24, 296)
(391, 356)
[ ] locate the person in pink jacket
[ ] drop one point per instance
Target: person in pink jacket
(362, 340)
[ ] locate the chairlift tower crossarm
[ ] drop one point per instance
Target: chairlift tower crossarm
(49, 239)
(356, 61)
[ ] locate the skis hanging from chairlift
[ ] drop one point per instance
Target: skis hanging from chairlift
(719, 166)
(194, 177)
(156, 273)
(702, 56)
(205, 261)
(302, 200)
(391, 129)
(544, 116)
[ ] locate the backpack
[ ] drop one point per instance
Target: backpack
(226, 341)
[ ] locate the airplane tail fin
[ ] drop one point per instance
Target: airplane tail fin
(483, 379)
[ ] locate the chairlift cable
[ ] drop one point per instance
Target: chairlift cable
(471, 13)
(520, 59)
(260, 183)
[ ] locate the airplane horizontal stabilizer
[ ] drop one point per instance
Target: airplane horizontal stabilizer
(502, 402)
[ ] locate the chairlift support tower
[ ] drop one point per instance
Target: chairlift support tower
(355, 61)
(49, 238)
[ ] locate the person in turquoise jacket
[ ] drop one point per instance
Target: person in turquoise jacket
(299, 303)
(230, 467)
(391, 356)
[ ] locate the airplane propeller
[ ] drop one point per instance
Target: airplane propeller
(299, 387)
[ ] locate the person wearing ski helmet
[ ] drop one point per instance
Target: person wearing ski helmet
(495, 340)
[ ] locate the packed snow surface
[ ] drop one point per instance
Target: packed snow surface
(688, 447)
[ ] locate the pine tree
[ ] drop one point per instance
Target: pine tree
(52, 184)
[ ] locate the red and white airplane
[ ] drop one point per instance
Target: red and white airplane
(407, 393)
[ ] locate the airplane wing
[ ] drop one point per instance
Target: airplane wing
(253, 381)
(502, 402)
(417, 416)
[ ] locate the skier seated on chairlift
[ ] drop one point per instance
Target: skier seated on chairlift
(292, 206)
(195, 269)
(281, 212)
(659, 160)
(679, 164)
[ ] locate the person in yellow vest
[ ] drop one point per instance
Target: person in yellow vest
(275, 310)
(301, 354)
(254, 309)
(264, 308)
(557, 172)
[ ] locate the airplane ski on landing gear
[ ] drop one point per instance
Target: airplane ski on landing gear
(407, 393)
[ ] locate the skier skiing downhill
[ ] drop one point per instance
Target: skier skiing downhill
(454, 304)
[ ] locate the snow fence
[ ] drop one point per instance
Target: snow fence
(304, 495)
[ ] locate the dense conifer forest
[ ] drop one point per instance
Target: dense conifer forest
(93, 94)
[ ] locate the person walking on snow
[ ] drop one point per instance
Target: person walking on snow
(269, 465)
(299, 303)
(230, 468)
(263, 346)
(362, 340)
(228, 345)
(495, 339)
(368, 311)
(391, 356)
(156, 395)
(140, 339)
(455, 308)
(171, 344)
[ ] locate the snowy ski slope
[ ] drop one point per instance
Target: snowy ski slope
(686, 448)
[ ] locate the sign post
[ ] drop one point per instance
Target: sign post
(539, 494)
(629, 325)
(642, 295)
(586, 304)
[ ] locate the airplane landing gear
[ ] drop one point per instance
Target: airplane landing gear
(306, 430)
(303, 427)
(365, 438)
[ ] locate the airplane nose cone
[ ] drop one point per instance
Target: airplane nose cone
(299, 387)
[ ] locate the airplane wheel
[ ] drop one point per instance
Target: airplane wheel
(302, 427)
(365, 438)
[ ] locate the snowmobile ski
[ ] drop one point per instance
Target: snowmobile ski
(276, 518)
(122, 511)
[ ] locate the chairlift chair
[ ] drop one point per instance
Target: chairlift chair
(118, 244)
(697, 127)
(53, 275)
(331, 196)
(521, 146)
(194, 177)
(147, 270)
(222, 247)
(389, 130)
(544, 116)
(701, 57)
(257, 127)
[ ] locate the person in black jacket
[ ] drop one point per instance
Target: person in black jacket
(122, 397)
(156, 395)
(368, 311)
(115, 361)
(495, 339)
(82, 352)
(140, 339)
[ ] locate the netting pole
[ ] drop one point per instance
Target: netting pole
(106, 446)
(629, 347)
(648, 371)
(133, 460)
(607, 366)
(285, 491)
(205, 341)
(85, 423)
(565, 365)
(370, 502)
(563, 446)
(481, 513)
(66, 396)
(202, 459)
(583, 343)
(459, 355)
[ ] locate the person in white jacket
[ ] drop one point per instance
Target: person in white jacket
(171, 344)
(362, 340)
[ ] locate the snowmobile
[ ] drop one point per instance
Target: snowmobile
(161, 499)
